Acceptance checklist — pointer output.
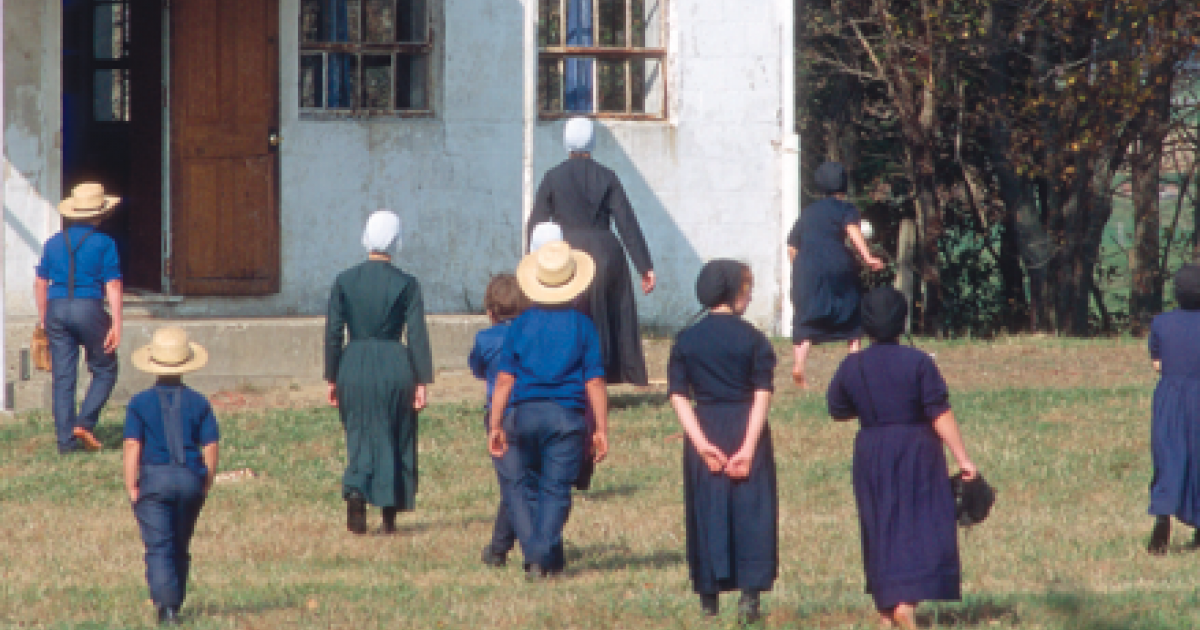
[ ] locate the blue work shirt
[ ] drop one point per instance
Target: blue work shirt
(96, 263)
(551, 352)
(488, 343)
(144, 423)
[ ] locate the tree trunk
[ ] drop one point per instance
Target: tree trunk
(906, 269)
(1145, 272)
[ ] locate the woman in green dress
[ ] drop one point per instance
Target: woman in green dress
(376, 381)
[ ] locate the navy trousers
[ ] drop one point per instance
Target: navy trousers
(168, 505)
(70, 324)
(548, 440)
(504, 538)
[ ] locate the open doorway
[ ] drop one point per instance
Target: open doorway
(113, 119)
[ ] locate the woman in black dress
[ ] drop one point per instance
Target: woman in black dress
(376, 381)
(901, 483)
(585, 199)
(727, 366)
(825, 284)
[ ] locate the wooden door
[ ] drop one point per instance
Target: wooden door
(224, 170)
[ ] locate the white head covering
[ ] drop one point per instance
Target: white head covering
(544, 233)
(382, 233)
(579, 135)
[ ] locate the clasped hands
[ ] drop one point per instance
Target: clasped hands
(736, 467)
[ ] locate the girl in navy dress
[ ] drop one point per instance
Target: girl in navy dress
(825, 284)
(1175, 428)
(901, 483)
(727, 366)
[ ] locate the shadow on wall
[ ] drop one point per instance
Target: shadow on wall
(676, 262)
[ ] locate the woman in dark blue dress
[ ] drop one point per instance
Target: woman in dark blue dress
(901, 487)
(825, 284)
(727, 366)
(1175, 428)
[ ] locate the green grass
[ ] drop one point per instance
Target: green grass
(1063, 550)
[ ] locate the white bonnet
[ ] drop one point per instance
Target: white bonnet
(544, 233)
(579, 135)
(382, 233)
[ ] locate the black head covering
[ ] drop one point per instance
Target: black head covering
(719, 282)
(884, 311)
(1187, 287)
(831, 178)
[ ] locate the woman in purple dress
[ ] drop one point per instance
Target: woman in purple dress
(1175, 428)
(901, 483)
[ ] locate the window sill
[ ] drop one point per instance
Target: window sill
(364, 114)
(552, 116)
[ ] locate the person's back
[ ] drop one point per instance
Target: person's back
(1175, 342)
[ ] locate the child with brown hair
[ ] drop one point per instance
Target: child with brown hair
(504, 301)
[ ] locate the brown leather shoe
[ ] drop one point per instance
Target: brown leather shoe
(89, 441)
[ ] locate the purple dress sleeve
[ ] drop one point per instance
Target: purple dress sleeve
(935, 396)
(841, 405)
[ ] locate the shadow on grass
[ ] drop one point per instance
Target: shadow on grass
(635, 399)
(424, 526)
(609, 492)
(110, 434)
(616, 557)
(973, 613)
(1063, 610)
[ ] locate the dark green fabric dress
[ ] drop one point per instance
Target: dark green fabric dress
(374, 303)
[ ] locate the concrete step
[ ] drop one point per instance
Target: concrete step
(254, 352)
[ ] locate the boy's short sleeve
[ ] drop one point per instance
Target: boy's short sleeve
(475, 359)
(110, 263)
(210, 432)
(593, 362)
(506, 360)
(135, 427)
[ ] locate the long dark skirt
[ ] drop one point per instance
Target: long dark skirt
(375, 396)
(906, 515)
(612, 307)
(1175, 446)
(732, 527)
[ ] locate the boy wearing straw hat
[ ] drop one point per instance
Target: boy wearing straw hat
(170, 462)
(78, 270)
(549, 365)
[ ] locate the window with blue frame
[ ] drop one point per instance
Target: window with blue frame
(605, 58)
(365, 57)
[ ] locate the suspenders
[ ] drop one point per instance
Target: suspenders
(71, 258)
(171, 401)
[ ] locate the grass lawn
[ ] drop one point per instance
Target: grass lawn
(1059, 427)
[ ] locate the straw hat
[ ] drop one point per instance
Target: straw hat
(170, 353)
(87, 201)
(555, 273)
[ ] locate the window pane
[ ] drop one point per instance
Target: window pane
(377, 81)
(380, 24)
(312, 77)
(111, 32)
(550, 86)
(648, 91)
(343, 76)
(611, 14)
(612, 85)
(550, 23)
(647, 23)
(310, 21)
(353, 21)
(411, 26)
(411, 81)
(110, 92)
(577, 84)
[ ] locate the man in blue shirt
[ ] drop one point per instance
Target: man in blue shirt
(170, 462)
(549, 364)
(78, 270)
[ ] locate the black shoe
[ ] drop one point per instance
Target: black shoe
(388, 528)
(168, 615)
(749, 611)
(710, 604)
(493, 559)
(535, 572)
(1160, 537)
(356, 513)
(1195, 539)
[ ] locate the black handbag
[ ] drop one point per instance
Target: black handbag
(973, 500)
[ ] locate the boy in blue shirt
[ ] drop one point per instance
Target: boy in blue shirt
(549, 365)
(170, 462)
(504, 302)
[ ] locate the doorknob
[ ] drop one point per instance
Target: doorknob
(273, 138)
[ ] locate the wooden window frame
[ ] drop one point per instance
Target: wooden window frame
(597, 53)
(360, 49)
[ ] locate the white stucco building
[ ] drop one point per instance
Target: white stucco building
(251, 138)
